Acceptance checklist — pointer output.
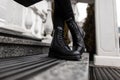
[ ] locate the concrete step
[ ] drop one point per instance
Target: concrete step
(14, 44)
(68, 70)
(40, 67)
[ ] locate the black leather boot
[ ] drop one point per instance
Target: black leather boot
(59, 49)
(77, 35)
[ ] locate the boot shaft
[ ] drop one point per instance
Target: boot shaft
(77, 34)
(58, 37)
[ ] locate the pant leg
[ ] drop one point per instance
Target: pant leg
(27, 3)
(65, 7)
(58, 19)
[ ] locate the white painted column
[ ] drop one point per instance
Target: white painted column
(107, 33)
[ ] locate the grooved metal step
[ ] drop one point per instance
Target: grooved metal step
(104, 73)
(17, 68)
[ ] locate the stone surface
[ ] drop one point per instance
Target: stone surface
(13, 45)
(13, 50)
(68, 70)
(19, 40)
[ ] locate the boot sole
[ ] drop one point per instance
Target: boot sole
(73, 57)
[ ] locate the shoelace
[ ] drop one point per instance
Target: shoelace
(61, 38)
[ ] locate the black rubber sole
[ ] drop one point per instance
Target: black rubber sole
(63, 57)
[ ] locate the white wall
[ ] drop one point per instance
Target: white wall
(81, 12)
(107, 33)
(118, 12)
